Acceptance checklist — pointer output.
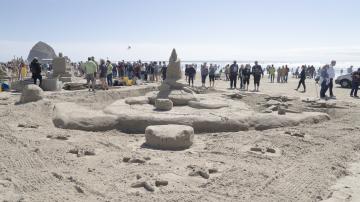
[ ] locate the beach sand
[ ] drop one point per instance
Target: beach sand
(37, 160)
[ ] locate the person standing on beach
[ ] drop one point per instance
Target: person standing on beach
(163, 71)
(35, 68)
(90, 71)
(103, 74)
(187, 67)
(191, 74)
(227, 70)
(282, 74)
(234, 71)
(302, 78)
(241, 76)
(204, 73)
(286, 74)
(278, 79)
(324, 81)
(156, 71)
(22, 71)
(246, 76)
(355, 83)
(212, 70)
(257, 72)
(331, 72)
(272, 73)
(121, 69)
(109, 75)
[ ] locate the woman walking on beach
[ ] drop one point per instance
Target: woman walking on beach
(204, 74)
(302, 78)
(103, 73)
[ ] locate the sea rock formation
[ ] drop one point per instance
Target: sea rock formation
(42, 51)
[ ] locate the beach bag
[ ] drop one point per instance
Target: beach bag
(4, 87)
(129, 82)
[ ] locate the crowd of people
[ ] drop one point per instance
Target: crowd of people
(235, 74)
(324, 76)
(107, 71)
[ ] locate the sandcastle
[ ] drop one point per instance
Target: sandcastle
(171, 88)
(203, 112)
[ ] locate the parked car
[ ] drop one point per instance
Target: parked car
(344, 81)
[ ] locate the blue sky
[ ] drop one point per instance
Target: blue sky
(308, 30)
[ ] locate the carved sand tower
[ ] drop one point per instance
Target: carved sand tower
(171, 88)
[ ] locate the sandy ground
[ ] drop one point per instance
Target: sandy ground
(36, 163)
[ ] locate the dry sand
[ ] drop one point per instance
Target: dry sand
(39, 162)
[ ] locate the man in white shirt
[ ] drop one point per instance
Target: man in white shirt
(331, 72)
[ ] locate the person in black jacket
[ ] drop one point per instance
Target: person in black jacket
(302, 78)
(191, 72)
(257, 72)
(234, 71)
(35, 68)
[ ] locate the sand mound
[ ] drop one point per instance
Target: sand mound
(134, 120)
(31, 93)
(169, 137)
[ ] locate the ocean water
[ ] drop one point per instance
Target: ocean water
(292, 65)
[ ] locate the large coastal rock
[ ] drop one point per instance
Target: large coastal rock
(169, 137)
(42, 51)
(31, 93)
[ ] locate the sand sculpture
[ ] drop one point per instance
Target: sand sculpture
(169, 137)
(204, 113)
(31, 93)
(172, 89)
(61, 69)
